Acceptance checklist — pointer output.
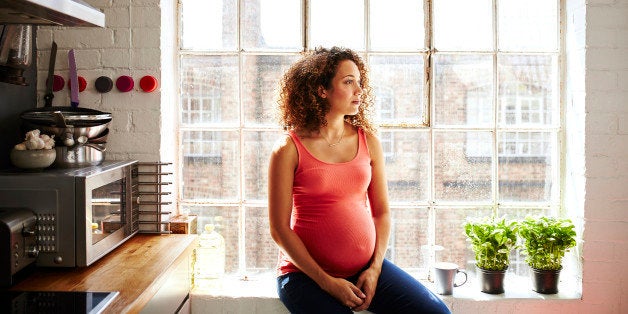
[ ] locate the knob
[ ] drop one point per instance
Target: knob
(32, 252)
(148, 83)
(28, 232)
(125, 83)
(58, 259)
(104, 84)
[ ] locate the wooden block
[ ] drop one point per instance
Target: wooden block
(183, 225)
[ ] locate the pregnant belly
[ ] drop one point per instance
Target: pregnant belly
(342, 244)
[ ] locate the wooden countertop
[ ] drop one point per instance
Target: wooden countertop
(136, 269)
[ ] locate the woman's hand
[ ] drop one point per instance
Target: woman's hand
(345, 292)
(367, 282)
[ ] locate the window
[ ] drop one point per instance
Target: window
(467, 102)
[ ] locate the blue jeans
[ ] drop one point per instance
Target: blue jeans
(396, 292)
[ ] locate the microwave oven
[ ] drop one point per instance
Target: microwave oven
(81, 213)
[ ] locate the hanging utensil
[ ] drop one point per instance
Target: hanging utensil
(51, 70)
(74, 87)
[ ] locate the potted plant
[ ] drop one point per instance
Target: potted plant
(546, 239)
(492, 241)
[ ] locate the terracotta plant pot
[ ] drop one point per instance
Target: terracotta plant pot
(491, 281)
(545, 281)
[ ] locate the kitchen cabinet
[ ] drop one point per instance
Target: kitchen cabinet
(150, 271)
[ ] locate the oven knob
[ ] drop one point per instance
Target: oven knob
(32, 252)
(28, 232)
(58, 260)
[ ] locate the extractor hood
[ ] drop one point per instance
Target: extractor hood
(50, 12)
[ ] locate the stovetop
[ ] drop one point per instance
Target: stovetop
(43, 302)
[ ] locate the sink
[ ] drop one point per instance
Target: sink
(41, 302)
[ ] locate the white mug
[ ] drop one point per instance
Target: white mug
(444, 277)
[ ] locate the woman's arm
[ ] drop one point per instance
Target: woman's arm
(283, 163)
(378, 198)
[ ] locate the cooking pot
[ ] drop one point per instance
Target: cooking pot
(80, 155)
(64, 122)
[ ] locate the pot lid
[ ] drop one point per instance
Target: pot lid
(46, 115)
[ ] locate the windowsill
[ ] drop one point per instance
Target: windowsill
(262, 288)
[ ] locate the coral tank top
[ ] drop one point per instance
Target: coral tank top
(330, 211)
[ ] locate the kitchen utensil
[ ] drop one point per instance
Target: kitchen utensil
(80, 155)
(78, 121)
(100, 138)
(51, 71)
(445, 275)
(74, 86)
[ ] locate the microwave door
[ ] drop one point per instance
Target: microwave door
(106, 199)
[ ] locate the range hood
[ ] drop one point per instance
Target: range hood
(50, 12)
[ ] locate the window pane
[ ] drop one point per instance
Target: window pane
(463, 90)
(259, 86)
(265, 30)
(209, 90)
(225, 220)
(209, 25)
(211, 165)
(451, 241)
(257, 149)
(530, 25)
(261, 250)
(407, 164)
(404, 32)
(462, 166)
(398, 83)
(337, 23)
(463, 25)
(528, 90)
(408, 234)
(527, 166)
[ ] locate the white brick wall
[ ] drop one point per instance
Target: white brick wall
(596, 105)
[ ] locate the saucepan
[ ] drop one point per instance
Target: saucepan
(79, 155)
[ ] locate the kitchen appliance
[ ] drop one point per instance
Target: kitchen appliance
(77, 302)
(50, 12)
(15, 52)
(82, 213)
(17, 242)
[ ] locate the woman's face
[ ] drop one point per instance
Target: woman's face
(345, 91)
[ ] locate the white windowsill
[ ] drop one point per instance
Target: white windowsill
(234, 293)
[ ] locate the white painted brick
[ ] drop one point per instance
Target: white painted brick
(602, 80)
(611, 210)
(622, 79)
(145, 121)
(615, 231)
(147, 2)
(146, 16)
(145, 38)
(602, 123)
(148, 58)
(608, 16)
(117, 17)
(116, 58)
(606, 58)
(602, 166)
(602, 297)
(622, 127)
(122, 38)
(84, 37)
(598, 251)
(120, 3)
(605, 145)
(133, 142)
(610, 102)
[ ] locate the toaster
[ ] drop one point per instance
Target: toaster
(18, 243)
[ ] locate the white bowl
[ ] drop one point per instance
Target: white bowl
(33, 158)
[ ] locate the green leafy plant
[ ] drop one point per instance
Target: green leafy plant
(491, 241)
(546, 239)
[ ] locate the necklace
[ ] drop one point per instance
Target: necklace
(339, 140)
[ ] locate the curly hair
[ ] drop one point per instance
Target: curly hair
(300, 105)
